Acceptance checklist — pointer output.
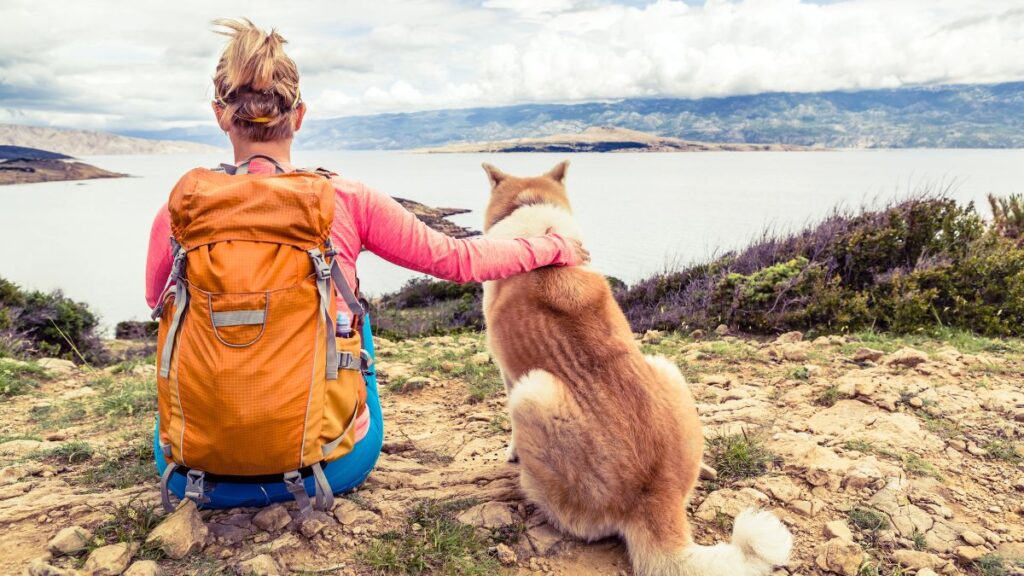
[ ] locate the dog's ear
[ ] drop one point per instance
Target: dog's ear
(495, 175)
(558, 172)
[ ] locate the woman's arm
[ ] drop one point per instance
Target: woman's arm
(158, 260)
(395, 234)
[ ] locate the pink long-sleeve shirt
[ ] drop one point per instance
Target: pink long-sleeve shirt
(365, 217)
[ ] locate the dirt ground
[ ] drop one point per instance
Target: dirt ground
(882, 455)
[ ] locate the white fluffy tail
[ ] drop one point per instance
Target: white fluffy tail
(759, 543)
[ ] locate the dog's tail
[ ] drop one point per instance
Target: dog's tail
(759, 542)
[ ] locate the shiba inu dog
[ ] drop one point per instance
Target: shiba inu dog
(608, 440)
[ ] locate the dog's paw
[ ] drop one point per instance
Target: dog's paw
(511, 455)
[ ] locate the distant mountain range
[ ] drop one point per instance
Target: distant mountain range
(961, 116)
(606, 139)
(88, 143)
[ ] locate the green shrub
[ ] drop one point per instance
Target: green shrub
(37, 323)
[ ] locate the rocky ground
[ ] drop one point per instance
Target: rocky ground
(883, 456)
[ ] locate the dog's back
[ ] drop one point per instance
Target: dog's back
(608, 440)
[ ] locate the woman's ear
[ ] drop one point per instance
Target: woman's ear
(495, 175)
(300, 113)
(218, 112)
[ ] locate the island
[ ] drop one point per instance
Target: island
(608, 139)
(22, 165)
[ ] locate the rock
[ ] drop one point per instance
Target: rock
(807, 508)
(144, 568)
(57, 367)
(480, 359)
(790, 337)
(489, 515)
(227, 534)
(794, 352)
(916, 560)
(782, 488)
(722, 330)
(652, 337)
(83, 392)
(12, 474)
(39, 567)
(840, 557)
(707, 472)
(972, 538)
(416, 383)
(926, 572)
(506, 555)
(109, 560)
(718, 380)
(315, 524)
(730, 503)
(181, 533)
(838, 529)
(905, 357)
(272, 518)
(968, 554)
(697, 334)
(906, 517)
(19, 448)
(349, 513)
(1012, 551)
(262, 565)
(70, 540)
(544, 539)
(867, 355)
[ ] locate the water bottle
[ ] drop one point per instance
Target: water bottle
(343, 327)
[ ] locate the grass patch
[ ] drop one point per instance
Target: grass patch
(918, 539)
(127, 398)
(829, 397)
(50, 417)
(128, 522)
(738, 456)
(18, 378)
(918, 466)
(859, 446)
(67, 453)
(868, 520)
(942, 427)
(1004, 450)
(128, 468)
(799, 373)
(431, 542)
(500, 424)
(991, 565)
(482, 380)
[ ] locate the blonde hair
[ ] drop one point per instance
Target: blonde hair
(256, 83)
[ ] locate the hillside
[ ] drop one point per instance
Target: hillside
(88, 143)
(605, 139)
(21, 152)
(958, 116)
(27, 171)
(883, 455)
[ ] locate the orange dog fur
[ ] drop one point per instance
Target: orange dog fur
(608, 440)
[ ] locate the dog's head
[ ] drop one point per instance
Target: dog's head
(509, 193)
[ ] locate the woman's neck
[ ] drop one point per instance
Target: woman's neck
(280, 150)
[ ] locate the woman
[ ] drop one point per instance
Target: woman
(258, 105)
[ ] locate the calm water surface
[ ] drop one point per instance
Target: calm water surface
(640, 213)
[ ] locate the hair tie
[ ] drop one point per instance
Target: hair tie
(260, 120)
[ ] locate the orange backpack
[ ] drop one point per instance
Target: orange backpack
(252, 381)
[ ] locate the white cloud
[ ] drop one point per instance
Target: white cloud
(149, 66)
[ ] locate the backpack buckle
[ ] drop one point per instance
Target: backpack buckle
(195, 486)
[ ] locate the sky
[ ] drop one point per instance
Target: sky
(143, 65)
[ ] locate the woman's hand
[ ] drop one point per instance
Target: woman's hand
(580, 255)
